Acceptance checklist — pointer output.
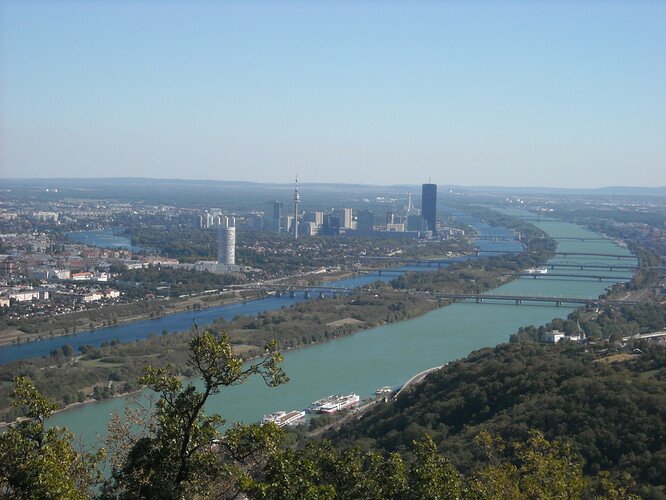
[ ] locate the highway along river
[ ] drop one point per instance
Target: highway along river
(391, 354)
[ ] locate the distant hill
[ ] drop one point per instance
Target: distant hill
(113, 184)
(605, 191)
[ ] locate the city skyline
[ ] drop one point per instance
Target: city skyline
(543, 94)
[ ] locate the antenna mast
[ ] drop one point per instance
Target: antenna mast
(297, 200)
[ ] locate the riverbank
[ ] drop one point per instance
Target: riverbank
(165, 307)
(302, 324)
(310, 324)
(86, 323)
(238, 350)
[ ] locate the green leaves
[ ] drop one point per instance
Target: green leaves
(541, 469)
(432, 475)
(182, 456)
(42, 464)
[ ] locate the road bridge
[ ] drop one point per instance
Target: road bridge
(413, 262)
(600, 277)
(565, 254)
(292, 289)
(478, 298)
(582, 267)
(583, 238)
(476, 251)
(383, 271)
(519, 299)
(497, 238)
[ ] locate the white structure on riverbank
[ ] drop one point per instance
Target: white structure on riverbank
(226, 242)
(226, 250)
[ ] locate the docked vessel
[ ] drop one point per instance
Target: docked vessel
(331, 404)
(384, 391)
(283, 418)
(537, 270)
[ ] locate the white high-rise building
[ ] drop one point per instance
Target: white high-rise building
(226, 249)
(347, 218)
(409, 209)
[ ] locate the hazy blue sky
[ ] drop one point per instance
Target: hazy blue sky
(524, 93)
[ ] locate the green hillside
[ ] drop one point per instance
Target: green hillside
(611, 408)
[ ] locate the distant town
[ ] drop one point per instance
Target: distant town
(49, 267)
(47, 272)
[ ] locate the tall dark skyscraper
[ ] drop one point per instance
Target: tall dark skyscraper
(277, 210)
(429, 206)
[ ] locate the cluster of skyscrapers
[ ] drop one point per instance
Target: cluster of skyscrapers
(408, 223)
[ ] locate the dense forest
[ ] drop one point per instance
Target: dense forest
(612, 409)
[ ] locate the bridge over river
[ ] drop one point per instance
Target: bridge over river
(565, 254)
(476, 251)
(477, 297)
(391, 271)
(518, 299)
(504, 237)
(600, 277)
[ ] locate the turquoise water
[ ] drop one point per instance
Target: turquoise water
(391, 354)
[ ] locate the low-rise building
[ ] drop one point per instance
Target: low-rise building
(82, 276)
(553, 337)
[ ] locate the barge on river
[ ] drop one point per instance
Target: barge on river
(331, 404)
(283, 418)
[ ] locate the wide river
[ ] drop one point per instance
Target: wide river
(391, 354)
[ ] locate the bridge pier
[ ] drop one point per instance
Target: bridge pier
(558, 303)
(292, 294)
(321, 295)
(479, 300)
(518, 302)
(306, 294)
